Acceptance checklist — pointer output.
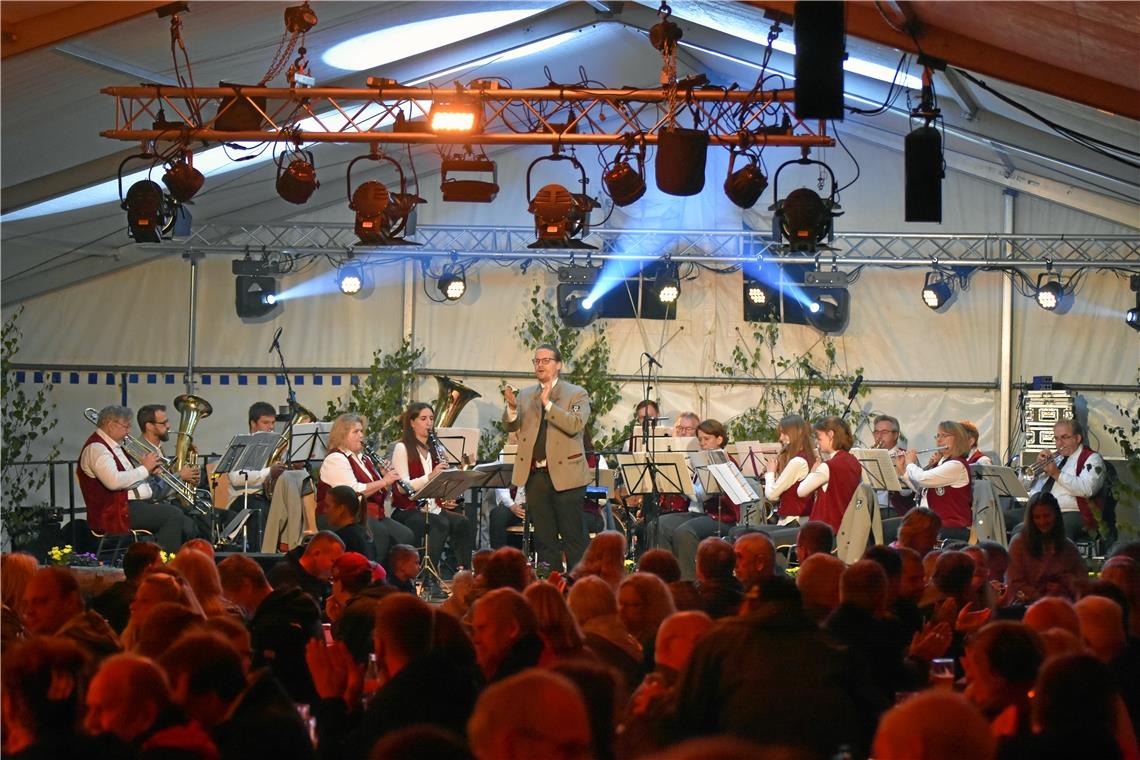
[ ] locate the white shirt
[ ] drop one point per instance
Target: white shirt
(1071, 484)
(250, 481)
(814, 481)
(336, 471)
(400, 465)
(98, 462)
(795, 471)
(947, 473)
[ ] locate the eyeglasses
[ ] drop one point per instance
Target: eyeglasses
(883, 432)
(943, 435)
(543, 360)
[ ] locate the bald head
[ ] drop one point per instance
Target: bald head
(755, 558)
(818, 582)
(934, 725)
(126, 697)
(1102, 626)
(678, 635)
(864, 585)
(1052, 612)
(535, 713)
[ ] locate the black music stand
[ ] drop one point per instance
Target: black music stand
(652, 474)
(449, 484)
(309, 441)
(460, 445)
(245, 454)
(1003, 479)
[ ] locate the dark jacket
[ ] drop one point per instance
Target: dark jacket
(114, 604)
(356, 539)
(264, 723)
(288, 573)
(281, 627)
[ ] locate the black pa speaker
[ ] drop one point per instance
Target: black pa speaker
(924, 172)
(820, 52)
(680, 161)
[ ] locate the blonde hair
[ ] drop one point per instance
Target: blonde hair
(591, 597)
(16, 571)
(657, 598)
(604, 557)
(961, 445)
(341, 427)
(202, 575)
(556, 624)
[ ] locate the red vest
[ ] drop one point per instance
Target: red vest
(791, 503)
(365, 474)
(978, 454)
(955, 505)
(415, 470)
(1084, 504)
(106, 509)
(843, 475)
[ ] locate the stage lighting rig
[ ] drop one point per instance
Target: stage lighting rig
(576, 307)
(181, 178)
(1050, 291)
(804, 220)
(152, 214)
(937, 289)
(468, 190)
(296, 182)
(745, 185)
(453, 282)
(560, 217)
(625, 184)
(381, 216)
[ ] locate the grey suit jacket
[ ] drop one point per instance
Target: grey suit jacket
(565, 424)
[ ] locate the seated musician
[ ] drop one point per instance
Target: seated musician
(949, 491)
(675, 509)
(247, 488)
(887, 434)
(645, 415)
(154, 424)
(794, 463)
(118, 494)
(1076, 475)
(346, 464)
(836, 475)
(417, 462)
(977, 456)
(719, 513)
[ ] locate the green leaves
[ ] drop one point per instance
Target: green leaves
(380, 396)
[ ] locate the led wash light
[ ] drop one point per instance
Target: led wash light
(350, 278)
(667, 283)
(452, 283)
(937, 290)
(1050, 291)
(454, 117)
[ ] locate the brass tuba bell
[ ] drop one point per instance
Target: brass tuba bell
(453, 396)
(193, 409)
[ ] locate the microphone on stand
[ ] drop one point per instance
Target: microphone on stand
(855, 388)
(276, 340)
(652, 361)
(813, 372)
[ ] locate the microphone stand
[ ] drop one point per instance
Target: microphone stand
(651, 506)
(292, 396)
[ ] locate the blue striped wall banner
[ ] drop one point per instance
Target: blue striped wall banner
(87, 377)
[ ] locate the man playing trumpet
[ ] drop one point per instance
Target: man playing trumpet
(117, 494)
(1074, 474)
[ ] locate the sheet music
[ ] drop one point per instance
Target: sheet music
(732, 483)
(310, 440)
(753, 456)
(878, 469)
(700, 461)
(1003, 479)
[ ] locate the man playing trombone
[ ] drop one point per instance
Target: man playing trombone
(116, 493)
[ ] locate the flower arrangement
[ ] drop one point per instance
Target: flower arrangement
(68, 557)
(630, 566)
(166, 556)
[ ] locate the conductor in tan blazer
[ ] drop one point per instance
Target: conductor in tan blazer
(551, 461)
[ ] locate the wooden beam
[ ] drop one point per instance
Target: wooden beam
(865, 22)
(21, 32)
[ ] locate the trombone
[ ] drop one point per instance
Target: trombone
(137, 448)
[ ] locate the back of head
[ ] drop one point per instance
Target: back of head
(677, 637)
(864, 584)
(324, 541)
(818, 581)
(199, 545)
(1012, 651)
(1075, 694)
(139, 556)
(556, 624)
(953, 573)
(163, 624)
(591, 597)
(661, 563)
(919, 529)
(506, 568)
(281, 627)
(657, 600)
(16, 571)
(1052, 612)
(207, 663)
(887, 558)
(772, 592)
(42, 679)
(421, 741)
(405, 623)
(534, 706)
(508, 604)
(1102, 626)
(136, 681)
(934, 725)
(715, 559)
(200, 572)
(238, 569)
(815, 536)
(604, 556)
(479, 560)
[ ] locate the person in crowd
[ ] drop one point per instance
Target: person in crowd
(888, 559)
(1075, 481)
(1103, 632)
(505, 634)
(976, 455)
(507, 568)
(129, 697)
(919, 530)
(16, 572)
(953, 579)
(309, 567)
(418, 461)
(248, 487)
(1050, 612)
(719, 514)
(604, 557)
(244, 583)
(1001, 665)
(44, 681)
(793, 464)
(246, 717)
(947, 482)
(818, 581)
(718, 590)
(347, 514)
(912, 583)
(660, 563)
(114, 604)
(352, 573)
(403, 568)
(813, 537)
(982, 594)
(598, 686)
(595, 608)
(644, 602)
(160, 585)
(164, 623)
(347, 464)
(997, 560)
(458, 602)
(117, 494)
(755, 558)
(54, 607)
(860, 622)
(530, 715)
(550, 419)
(1042, 561)
(1124, 573)
(934, 725)
(560, 634)
(201, 572)
(421, 740)
(836, 475)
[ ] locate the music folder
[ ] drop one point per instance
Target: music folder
(460, 444)
(671, 470)
(1003, 479)
(247, 453)
(878, 470)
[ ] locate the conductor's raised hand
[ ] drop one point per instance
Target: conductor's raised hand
(510, 397)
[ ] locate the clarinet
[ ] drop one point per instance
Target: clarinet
(382, 463)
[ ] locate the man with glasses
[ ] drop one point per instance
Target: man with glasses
(550, 418)
(154, 424)
(115, 492)
(1076, 479)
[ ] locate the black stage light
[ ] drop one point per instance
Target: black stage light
(667, 284)
(829, 309)
(745, 185)
(468, 190)
(937, 290)
(680, 160)
(452, 283)
(255, 296)
(350, 278)
(924, 172)
(574, 307)
(1050, 291)
(297, 181)
(820, 53)
(803, 219)
(561, 218)
(369, 201)
(148, 211)
(381, 216)
(624, 183)
(182, 179)
(1132, 316)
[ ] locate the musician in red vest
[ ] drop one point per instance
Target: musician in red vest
(949, 490)
(794, 463)
(719, 514)
(977, 456)
(115, 490)
(1075, 475)
(346, 464)
(417, 462)
(836, 476)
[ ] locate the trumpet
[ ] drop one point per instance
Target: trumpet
(1036, 468)
(902, 452)
(138, 448)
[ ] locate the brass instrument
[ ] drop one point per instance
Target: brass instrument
(301, 415)
(138, 448)
(193, 410)
(1036, 468)
(453, 396)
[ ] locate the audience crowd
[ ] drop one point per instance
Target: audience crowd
(917, 650)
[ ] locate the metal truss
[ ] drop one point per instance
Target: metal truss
(705, 246)
(559, 115)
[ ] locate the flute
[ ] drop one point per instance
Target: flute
(902, 453)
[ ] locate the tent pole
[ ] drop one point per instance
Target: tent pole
(409, 300)
(1005, 371)
(193, 257)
